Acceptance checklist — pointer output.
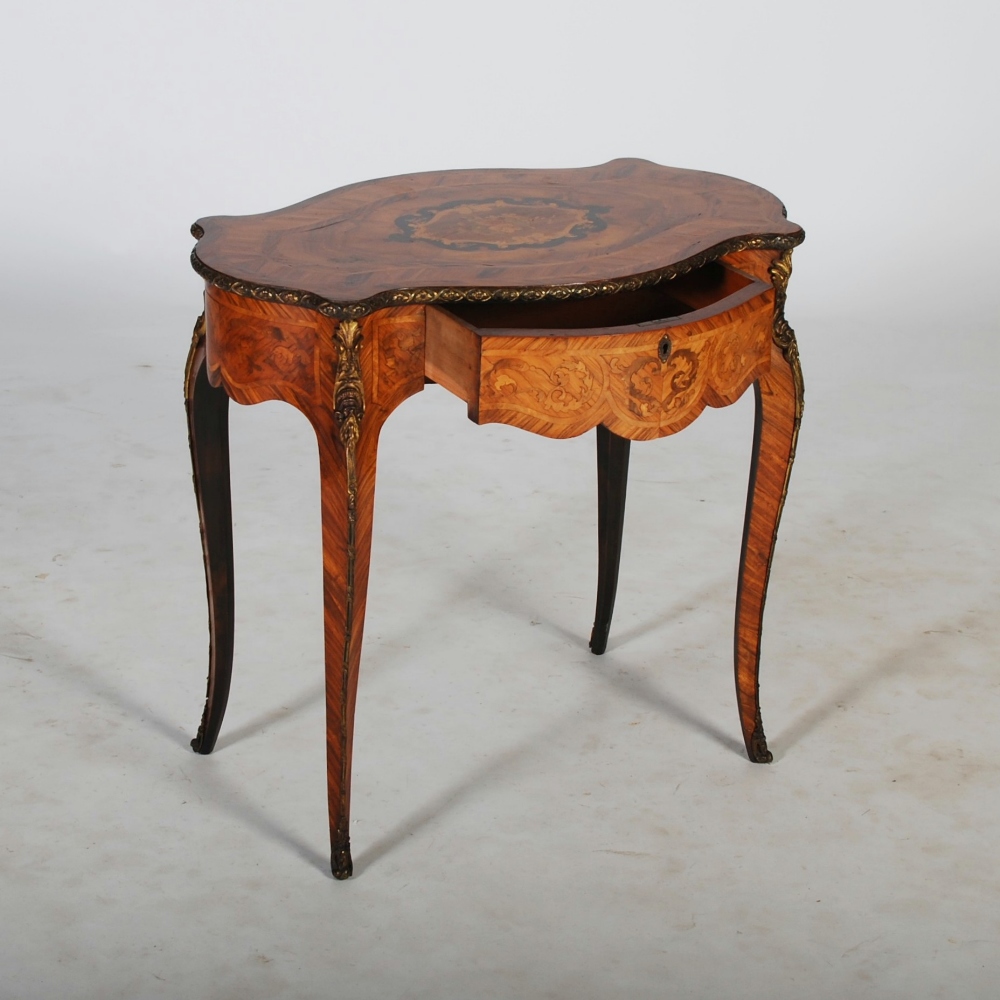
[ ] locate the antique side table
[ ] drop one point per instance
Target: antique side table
(625, 297)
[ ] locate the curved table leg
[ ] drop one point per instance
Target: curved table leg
(779, 410)
(612, 483)
(208, 430)
(267, 350)
(347, 476)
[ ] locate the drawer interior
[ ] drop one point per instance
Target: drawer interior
(683, 294)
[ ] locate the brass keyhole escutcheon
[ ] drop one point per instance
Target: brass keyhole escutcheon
(664, 348)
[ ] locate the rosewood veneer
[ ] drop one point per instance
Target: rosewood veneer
(624, 297)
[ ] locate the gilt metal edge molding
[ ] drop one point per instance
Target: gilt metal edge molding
(348, 412)
(196, 338)
(500, 293)
(780, 271)
(759, 753)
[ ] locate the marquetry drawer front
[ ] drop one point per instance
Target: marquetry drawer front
(642, 381)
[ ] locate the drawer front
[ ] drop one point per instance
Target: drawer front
(641, 385)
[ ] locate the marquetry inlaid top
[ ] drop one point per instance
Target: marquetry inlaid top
(475, 234)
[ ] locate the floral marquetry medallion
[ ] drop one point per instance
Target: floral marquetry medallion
(501, 224)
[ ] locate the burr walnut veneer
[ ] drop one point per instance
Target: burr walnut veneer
(625, 297)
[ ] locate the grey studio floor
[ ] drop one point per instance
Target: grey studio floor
(528, 820)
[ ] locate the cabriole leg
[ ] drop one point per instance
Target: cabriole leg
(347, 475)
(779, 399)
(612, 483)
(208, 430)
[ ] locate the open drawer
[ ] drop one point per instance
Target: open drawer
(644, 363)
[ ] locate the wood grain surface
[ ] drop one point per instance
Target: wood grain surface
(258, 351)
(208, 434)
(612, 486)
(641, 381)
(461, 234)
(773, 451)
(638, 361)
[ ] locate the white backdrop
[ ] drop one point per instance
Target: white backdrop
(874, 121)
(529, 820)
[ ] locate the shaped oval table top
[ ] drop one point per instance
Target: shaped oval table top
(477, 235)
